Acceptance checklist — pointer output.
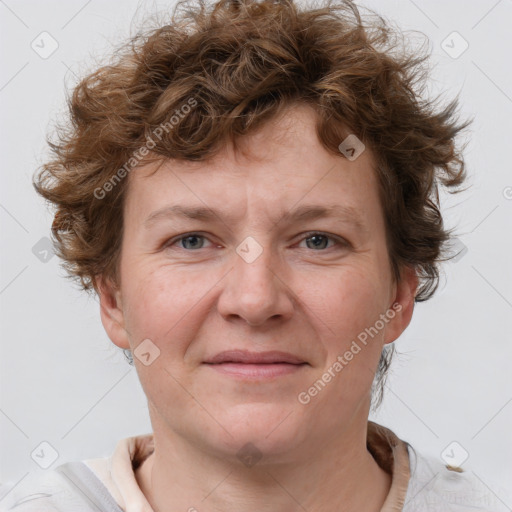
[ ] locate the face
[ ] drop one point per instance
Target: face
(248, 278)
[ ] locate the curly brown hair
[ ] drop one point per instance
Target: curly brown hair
(244, 62)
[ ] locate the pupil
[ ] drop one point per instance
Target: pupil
(192, 238)
(318, 239)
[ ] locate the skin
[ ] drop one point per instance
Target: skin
(197, 297)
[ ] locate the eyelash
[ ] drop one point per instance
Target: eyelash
(338, 240)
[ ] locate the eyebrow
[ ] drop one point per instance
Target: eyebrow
(302, 213)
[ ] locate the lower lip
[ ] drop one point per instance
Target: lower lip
(257, 371)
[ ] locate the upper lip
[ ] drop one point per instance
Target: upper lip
(244, 356)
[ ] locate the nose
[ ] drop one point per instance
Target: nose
(256, 290)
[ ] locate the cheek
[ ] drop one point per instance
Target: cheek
(163, 304)
(351, 301)
(354, 302)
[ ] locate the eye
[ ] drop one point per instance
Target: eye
(189, 241)
(321, 240)
(314, 240)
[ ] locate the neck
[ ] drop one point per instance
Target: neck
(341, 475)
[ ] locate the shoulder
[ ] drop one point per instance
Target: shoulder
(70, 486)
(436, 486)
(44, 491)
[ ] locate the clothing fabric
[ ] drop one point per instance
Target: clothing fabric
(108, 484)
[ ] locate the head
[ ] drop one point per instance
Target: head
(242, 111)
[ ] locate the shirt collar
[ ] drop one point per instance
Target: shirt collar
(117, 472)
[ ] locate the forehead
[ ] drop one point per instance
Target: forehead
(279, 168)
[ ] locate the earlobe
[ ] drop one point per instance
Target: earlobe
(111, 312)
(403, 304)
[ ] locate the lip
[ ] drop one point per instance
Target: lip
(255, 358)
(257, 371)
(247, 365)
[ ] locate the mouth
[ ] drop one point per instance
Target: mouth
(256, 365)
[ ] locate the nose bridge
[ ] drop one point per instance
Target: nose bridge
(253, 290)
(254, 261)
(253, 270)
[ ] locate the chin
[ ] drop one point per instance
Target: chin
(270, 427)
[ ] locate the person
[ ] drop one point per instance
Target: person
(252, 191)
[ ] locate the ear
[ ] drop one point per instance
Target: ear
(402, 304)
(111, 311)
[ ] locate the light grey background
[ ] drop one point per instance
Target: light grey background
(62, 381)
